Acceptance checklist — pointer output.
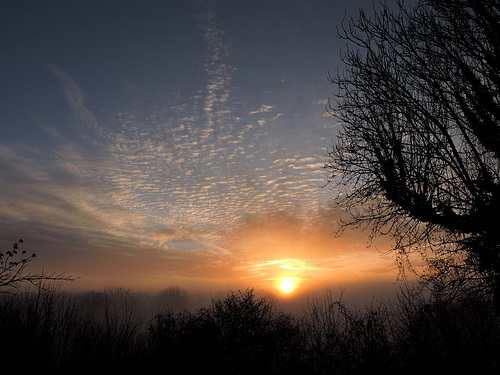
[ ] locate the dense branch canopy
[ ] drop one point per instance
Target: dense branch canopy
(418, 155)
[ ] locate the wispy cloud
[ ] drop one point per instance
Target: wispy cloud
(203, 178)
(74, 96)
(219, 72)
(264, 108)
(285, 246)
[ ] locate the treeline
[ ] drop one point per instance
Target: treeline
(50, 331)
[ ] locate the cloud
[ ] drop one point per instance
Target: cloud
(263, 109)
(219, 72)
(291, 244)
(322, 102)
(74, 96)
(201, 184)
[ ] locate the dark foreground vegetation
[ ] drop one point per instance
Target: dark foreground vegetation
(50, 331)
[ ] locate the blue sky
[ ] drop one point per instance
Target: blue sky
(174, 142)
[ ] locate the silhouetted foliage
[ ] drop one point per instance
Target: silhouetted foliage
(418, 153)
(49, 331)
(240, 334)
(13, 275)
(174, 298)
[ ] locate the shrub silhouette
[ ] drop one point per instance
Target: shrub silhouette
(46, 330)
(238, 334)
(49, 331)
(349, 341)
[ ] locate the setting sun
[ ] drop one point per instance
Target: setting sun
(286, 286)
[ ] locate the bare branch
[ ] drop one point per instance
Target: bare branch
(418, 155)
(13, 274)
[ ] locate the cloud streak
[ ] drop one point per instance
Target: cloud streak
(219, 72)
(204, 183)
(74, 96)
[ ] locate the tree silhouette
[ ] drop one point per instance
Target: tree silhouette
(13, 274)
(418, 153)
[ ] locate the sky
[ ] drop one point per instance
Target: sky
(146, 144)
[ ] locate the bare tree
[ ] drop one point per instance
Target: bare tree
(13, 273)
(418, 153)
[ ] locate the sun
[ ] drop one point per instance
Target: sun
(286, 286)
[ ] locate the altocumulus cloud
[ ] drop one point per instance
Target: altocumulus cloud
(188, 178)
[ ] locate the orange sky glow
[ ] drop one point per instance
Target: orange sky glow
(181, 143)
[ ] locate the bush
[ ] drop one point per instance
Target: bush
(49, 331)
(347, 341)
(240, 334)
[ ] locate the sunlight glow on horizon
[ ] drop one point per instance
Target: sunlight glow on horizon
(287, 285)
(202, 171)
